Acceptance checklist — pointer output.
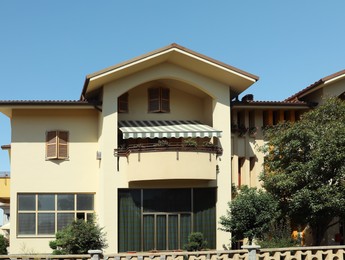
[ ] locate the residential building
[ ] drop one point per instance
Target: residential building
(249, 119)
(150, 148)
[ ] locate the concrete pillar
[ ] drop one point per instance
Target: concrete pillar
(252, 249)
(95, 254)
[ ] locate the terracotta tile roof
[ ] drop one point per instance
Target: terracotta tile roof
(252, 103)
(315, 84)
(46, 102)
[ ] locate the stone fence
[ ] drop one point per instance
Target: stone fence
(247, 253)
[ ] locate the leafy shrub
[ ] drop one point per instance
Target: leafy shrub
(196, 242)
(278, 236)
(3, 245)
(78, 238)
(250, 214)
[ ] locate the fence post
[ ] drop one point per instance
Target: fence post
(251, 251)
(95, 254)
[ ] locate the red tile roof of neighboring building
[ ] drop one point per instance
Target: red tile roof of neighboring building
(315, 84)
(295, 103)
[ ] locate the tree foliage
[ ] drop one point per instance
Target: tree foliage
(250, 214)
(305, 166)
(3, 245)
(78, 237)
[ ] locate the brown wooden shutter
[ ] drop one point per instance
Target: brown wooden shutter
(51, 145)
(62, 144)
(154, 97)
(122, 103)
(165, 100)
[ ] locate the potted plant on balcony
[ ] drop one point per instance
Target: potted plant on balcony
(189, 142)
(252, 131)
(242, 130)
(208, 144)
(234, 128)
(163, 143)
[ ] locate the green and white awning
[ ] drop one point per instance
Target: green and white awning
(166, 129)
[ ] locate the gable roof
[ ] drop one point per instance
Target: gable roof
(238, 79)
(318, 84)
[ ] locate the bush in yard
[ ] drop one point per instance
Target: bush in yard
(78, 237)
(278, 236)
(3, 245)
(250, 214)
(196, 242)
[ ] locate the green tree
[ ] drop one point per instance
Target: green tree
(78, 237)
(3, 245)
(250, 214)
(304, 166)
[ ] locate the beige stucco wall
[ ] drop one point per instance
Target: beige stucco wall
(31, 172)
(246, 147)
(335, 89)
(332, 89)
(169, 166)
(183, 105)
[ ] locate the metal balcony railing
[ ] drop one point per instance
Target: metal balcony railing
(126, 150)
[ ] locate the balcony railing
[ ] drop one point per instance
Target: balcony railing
(167, 147)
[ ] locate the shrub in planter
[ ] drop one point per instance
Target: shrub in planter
(196, 242)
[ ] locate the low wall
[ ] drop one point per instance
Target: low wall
(247, 253)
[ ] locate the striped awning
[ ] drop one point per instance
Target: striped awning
(167, 129)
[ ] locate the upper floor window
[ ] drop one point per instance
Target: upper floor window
(122, 103)
(159, 100)
(56, 145)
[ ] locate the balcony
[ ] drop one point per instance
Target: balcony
(169, 161)
(4, 187)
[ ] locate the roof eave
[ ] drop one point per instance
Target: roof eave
(6, 107)
(270, 105)
(162, 55)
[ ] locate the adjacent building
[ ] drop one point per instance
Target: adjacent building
(152, 148)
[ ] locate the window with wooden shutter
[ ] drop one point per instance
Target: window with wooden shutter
(56, 145)
(122, 103)
(159, 100)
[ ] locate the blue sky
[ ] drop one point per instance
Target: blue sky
(48, 47)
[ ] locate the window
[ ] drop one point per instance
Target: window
(241, 161)
(45, 214)
(162, 219)
(56, 145)
(122, 103)
(159, 100)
